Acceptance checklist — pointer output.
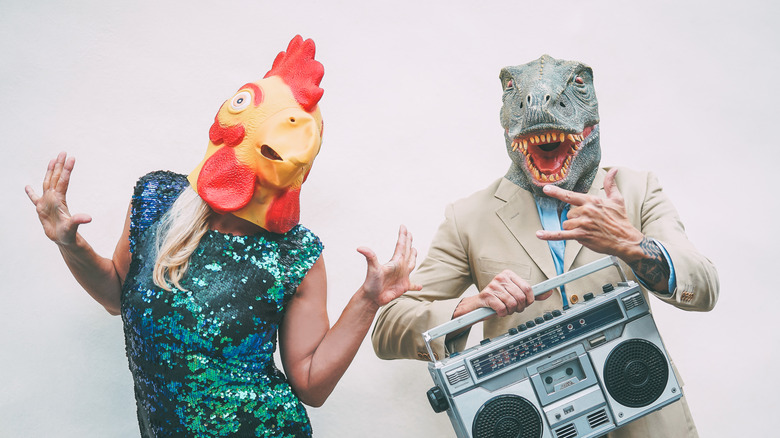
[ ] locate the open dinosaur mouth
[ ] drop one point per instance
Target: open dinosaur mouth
(548, 154)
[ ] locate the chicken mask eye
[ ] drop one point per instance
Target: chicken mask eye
(240, 101)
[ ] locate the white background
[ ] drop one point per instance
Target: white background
(686, 89)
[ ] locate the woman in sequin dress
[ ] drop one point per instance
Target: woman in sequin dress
(201, 353)
(211, 270)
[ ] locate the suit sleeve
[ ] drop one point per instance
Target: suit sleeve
(697, 284)
(445, 274)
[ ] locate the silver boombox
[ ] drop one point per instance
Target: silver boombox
(581, 372)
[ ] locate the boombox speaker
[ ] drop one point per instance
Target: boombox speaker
(577, 373)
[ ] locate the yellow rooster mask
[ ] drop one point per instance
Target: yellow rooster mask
(263, 143)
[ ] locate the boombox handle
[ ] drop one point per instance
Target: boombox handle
(484, 312)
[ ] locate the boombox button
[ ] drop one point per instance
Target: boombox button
(595, 342)
(588, 296)
(556, 313)
(512, 331)
(530, 324)
(539, 320)
(607, 288)
(522, 327)
(548, 316)
(484, 341)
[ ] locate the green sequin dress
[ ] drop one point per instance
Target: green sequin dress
(202, 357)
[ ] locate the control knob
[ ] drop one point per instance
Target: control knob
(437, 399)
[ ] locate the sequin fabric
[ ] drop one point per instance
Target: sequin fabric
(202, 357)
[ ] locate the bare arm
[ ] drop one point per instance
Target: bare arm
(315, 355)
(99, 276)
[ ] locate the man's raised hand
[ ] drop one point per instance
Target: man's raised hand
(600, 224)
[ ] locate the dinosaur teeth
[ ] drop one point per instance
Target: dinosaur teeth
(550, 137)
(536, 173)
(573, 142)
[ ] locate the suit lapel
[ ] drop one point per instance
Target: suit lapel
(520, 216)
(572, 246)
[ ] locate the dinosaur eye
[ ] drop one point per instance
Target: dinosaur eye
(579, 80)
(241, 101)
(510, 84)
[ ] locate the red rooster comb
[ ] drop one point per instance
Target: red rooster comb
(300, 71)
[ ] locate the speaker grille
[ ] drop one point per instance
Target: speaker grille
(507, 416)
(457, 375)
(597, 419)
(568, 431)
(636, 373)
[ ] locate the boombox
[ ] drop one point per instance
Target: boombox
(581, 372)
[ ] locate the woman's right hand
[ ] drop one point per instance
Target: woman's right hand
(58, 224)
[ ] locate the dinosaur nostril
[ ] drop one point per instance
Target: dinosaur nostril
(528, 99)
(546, 98)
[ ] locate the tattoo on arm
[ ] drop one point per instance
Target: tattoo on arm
(653, 269)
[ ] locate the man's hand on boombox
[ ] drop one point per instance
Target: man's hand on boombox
(506, 294)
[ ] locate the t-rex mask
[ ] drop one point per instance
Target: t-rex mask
(550, 118)
(263, 143)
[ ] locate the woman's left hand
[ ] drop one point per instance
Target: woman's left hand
(389, 281)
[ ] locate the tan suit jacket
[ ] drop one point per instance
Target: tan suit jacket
(494, 229)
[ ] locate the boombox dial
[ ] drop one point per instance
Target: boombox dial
(438, 399)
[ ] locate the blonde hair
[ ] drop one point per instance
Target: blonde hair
(179, 233)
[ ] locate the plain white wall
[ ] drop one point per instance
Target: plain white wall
(687, 89)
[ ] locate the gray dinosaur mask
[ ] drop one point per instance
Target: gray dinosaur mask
(550, 117)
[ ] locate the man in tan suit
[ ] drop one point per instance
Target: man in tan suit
(554, 210)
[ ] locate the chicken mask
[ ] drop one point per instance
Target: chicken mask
(263, 143)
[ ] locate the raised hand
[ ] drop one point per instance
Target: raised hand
(600, 224)
(385, 282)
(58, 224)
